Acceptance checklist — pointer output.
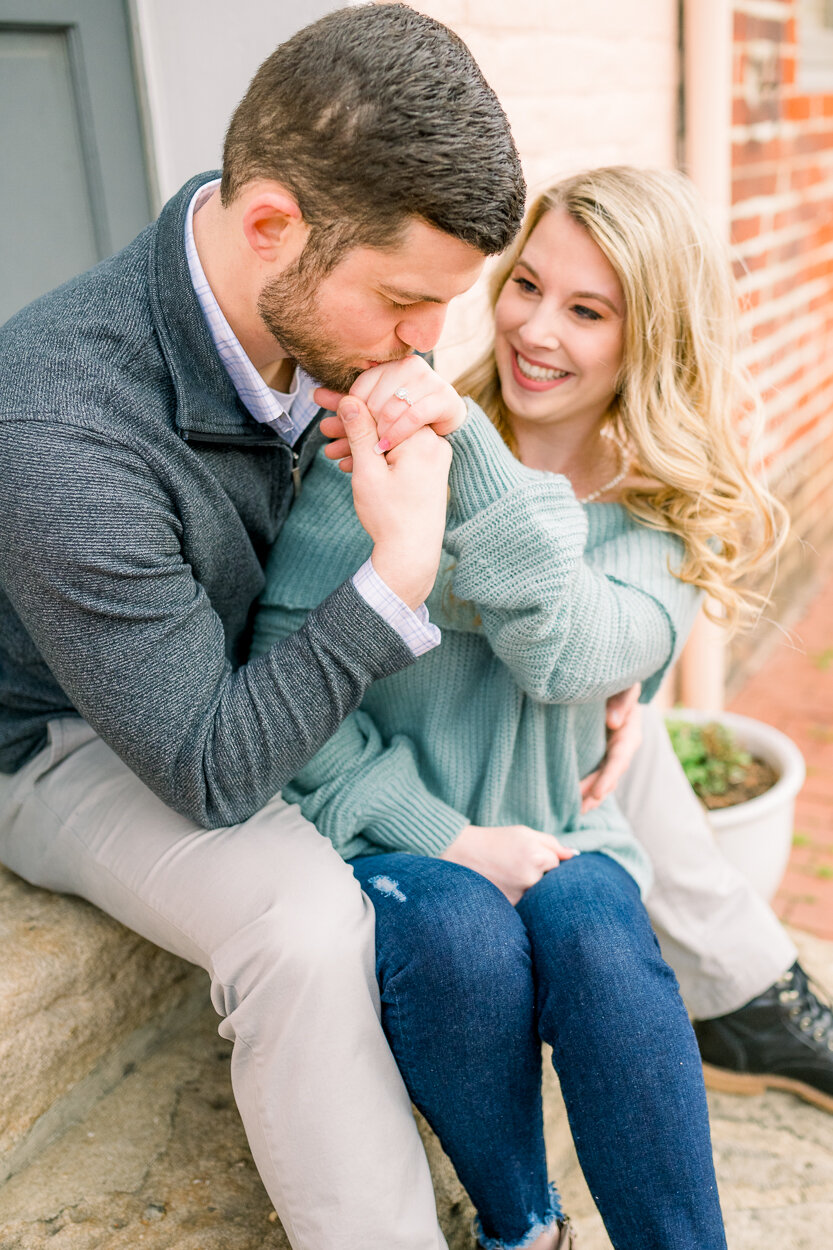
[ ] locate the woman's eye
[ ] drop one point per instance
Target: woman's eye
(528, 288)
(587, 314)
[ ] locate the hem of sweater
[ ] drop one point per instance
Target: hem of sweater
(618, 844)
(423, 825)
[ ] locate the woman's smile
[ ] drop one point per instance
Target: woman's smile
(535, 376)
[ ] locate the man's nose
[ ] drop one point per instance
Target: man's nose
(421, 328)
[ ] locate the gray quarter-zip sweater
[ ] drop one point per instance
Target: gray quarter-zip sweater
(138, 503)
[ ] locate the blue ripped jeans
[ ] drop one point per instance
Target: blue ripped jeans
(471, 985)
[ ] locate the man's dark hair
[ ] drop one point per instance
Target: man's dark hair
(373, 115)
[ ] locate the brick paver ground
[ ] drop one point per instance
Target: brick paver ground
(794, 691)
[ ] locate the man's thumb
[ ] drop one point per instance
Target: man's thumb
(359, 425)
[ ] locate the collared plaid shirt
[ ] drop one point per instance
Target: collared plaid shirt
(289, 414)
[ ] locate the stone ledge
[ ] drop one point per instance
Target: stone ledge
(74, 986)
(162, 1162)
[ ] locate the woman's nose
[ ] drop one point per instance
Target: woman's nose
(540, 331)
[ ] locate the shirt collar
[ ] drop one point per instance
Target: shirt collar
(287, 413)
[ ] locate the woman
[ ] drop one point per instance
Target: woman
(570, 573)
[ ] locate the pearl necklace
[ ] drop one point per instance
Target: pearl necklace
(620, 476)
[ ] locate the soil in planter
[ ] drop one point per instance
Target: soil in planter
(759, 777)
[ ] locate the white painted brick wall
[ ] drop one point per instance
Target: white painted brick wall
(655, 18)
(583, 82)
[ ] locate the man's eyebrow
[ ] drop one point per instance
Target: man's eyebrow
(410, 297)
(576, 294)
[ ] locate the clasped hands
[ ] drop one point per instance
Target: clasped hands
(399, 459)
(400, 497)
(431, 403)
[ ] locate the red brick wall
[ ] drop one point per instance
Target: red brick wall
(782, 226)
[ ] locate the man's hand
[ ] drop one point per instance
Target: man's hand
(624, 725)
(512, 857)
(400, 500)
(431, 402)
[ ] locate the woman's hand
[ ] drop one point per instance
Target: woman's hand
(512, 857)
(401, 501)
(431, 401)
(624, 737)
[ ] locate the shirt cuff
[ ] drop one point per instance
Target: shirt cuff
(414, 628)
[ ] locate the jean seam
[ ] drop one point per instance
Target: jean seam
(406, 1073)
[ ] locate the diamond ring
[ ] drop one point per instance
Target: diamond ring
(401, 393)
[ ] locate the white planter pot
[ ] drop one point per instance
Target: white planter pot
(756, 836)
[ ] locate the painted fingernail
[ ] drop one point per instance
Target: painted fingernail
(382, 446)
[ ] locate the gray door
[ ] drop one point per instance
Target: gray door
(73, 187)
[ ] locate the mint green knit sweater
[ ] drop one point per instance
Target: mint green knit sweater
(546, 608)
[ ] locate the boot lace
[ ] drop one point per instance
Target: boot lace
(809, 1005)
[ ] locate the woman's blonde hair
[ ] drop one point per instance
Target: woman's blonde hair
(681, 389)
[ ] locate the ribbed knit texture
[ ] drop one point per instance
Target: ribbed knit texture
(138, 500)
(546, 607)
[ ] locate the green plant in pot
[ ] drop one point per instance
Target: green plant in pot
(720, 771)
(746, 774)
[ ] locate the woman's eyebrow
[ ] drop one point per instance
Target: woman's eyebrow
(526, 265)
(595, 295)
(576, 294)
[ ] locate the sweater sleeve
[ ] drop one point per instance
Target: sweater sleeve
(92, 562)
(360, 788)
(571, 629)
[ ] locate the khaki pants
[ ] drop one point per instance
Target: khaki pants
(269, 909)
(722, 940)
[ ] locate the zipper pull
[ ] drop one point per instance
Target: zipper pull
(296, 476)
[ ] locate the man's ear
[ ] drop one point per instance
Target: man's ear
(273, 224)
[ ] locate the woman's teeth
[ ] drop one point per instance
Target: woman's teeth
(536, 373)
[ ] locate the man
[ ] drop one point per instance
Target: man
(154, 428)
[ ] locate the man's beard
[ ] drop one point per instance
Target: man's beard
(287, 308)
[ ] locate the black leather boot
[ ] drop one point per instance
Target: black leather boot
(783, 1039)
